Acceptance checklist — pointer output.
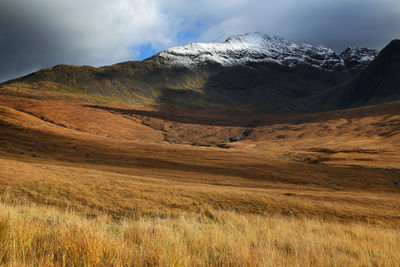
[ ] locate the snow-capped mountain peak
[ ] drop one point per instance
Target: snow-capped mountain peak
(255, 38)
(252, 47)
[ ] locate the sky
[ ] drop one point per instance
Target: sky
(36, 34)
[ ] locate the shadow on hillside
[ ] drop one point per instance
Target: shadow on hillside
(193, 116)
(221, 117)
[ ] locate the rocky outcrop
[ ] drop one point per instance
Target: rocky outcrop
(356, 58)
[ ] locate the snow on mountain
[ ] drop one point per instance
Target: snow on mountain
(253, 47)
(356, 58)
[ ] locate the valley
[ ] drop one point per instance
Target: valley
(284, 163)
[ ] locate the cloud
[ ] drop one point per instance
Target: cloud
(40, 33)
(337, 24)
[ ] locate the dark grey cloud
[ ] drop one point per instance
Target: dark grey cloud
(40, 33)
(337, 24)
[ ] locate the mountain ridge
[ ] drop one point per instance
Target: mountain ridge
(257, 47)
(257, 86)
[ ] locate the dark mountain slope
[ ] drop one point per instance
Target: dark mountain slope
(378, 83)
(265, 86)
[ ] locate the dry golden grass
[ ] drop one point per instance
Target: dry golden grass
(43, 236)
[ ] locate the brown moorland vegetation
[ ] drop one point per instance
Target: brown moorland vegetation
(101, 185)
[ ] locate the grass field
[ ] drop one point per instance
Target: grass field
(84, 185)
(43, 236)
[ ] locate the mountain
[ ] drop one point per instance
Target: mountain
(377, 83)
(252, 72)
